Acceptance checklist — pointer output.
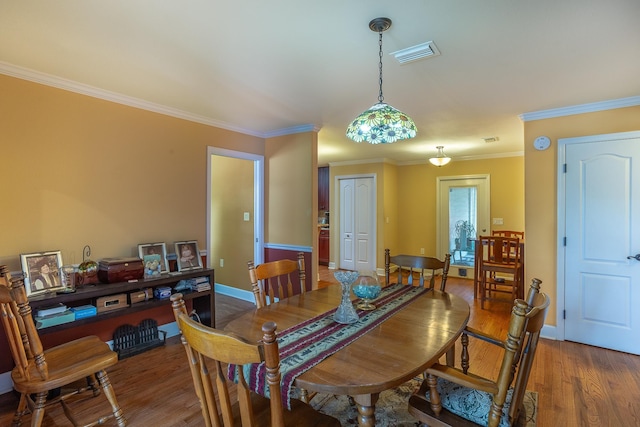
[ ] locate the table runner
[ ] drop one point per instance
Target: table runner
(308, 343)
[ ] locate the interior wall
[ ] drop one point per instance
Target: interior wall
(77, 170)
(417, 188)
(541, 186)
(232, 194)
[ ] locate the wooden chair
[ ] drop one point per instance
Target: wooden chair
(409, 263)
(205, 345)
(39, 371)
(486, 401)
(508, 233)
(274, 280)
(497, 257)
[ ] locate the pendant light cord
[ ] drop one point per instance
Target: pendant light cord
(380, 96)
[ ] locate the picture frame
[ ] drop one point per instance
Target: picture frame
(42, 272)
(159, 248)
(188, 255)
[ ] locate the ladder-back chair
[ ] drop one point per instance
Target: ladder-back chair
(408, 264)
(39, 371)
(500, 267)
(452, 396)
(207, 346)
(274, 280)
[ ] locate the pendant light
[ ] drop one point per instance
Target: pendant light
(440, 159)
(381, 124)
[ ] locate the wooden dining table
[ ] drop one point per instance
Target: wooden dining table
(395, 351)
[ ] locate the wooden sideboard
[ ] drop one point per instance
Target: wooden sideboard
(203, 302)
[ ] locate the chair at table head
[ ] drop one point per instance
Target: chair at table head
(499, 256)
(408, 264)
(508, 233)
(449, 393)
(38, 371)
(208, 345)
(275, 280)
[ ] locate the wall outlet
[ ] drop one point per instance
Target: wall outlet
(421, 251)
(221, 262)
(246, 216)
(498, 221)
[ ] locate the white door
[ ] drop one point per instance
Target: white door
(357, 224)
(602, 229)
(461, 198)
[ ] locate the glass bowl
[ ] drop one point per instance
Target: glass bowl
(367, 287)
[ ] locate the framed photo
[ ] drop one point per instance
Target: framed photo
(42, 272)
(188, 255)
(147, 249)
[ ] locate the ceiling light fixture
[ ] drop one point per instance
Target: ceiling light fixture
(381, 124)
(440, 159)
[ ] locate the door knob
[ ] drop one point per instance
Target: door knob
(636, 257)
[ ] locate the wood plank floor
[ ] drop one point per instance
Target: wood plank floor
(578, 385)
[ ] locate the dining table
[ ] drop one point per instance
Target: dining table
(400, 345)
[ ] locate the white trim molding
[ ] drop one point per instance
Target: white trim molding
(581, 109)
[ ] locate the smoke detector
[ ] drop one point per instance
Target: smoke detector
(414, 53)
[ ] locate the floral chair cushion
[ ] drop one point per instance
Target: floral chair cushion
(470, 404)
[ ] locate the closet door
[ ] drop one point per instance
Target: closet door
(357, 224)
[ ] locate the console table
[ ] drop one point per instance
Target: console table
(203, 302)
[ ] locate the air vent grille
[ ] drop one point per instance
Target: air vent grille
(414, 53)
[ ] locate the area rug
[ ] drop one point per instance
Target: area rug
(391, 408)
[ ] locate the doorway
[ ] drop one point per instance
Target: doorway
(598, 272)
(234, 213)
(357, 225)
(463, 213)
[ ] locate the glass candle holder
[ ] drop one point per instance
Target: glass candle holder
(346, 313)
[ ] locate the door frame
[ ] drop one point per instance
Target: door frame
(561, 217)
(258, 198)
(439, 180)
(335, 223)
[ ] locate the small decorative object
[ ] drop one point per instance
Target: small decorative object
(152, 266)
(159, 249)
(367, 287)
(88, 270)
(346, 313)
(68, 276)
(188, 255)
(42, 272)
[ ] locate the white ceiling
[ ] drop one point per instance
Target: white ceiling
(268, 67)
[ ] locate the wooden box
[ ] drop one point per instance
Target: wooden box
(140, 296)
(114, 270)
(111, 302)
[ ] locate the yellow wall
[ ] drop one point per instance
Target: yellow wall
(78, 170)
(541, 186)
(232, 236)
(407, 197)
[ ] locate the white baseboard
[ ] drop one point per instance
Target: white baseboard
(235, 292)
(6, 385)
(549, 332)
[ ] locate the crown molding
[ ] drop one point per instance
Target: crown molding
(363, 162)
(94, 92)
(581, 109)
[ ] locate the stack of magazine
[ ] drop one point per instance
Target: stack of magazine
(202, 284)
(53, 315)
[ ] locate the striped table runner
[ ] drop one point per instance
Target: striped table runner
(308, 343)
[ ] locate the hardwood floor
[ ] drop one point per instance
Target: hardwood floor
(578, 385)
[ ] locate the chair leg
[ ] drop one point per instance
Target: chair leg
(37, 415)
(20, 411)
(103, 379)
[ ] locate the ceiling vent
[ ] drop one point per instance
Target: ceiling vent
(491, 139)
(414, 53)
